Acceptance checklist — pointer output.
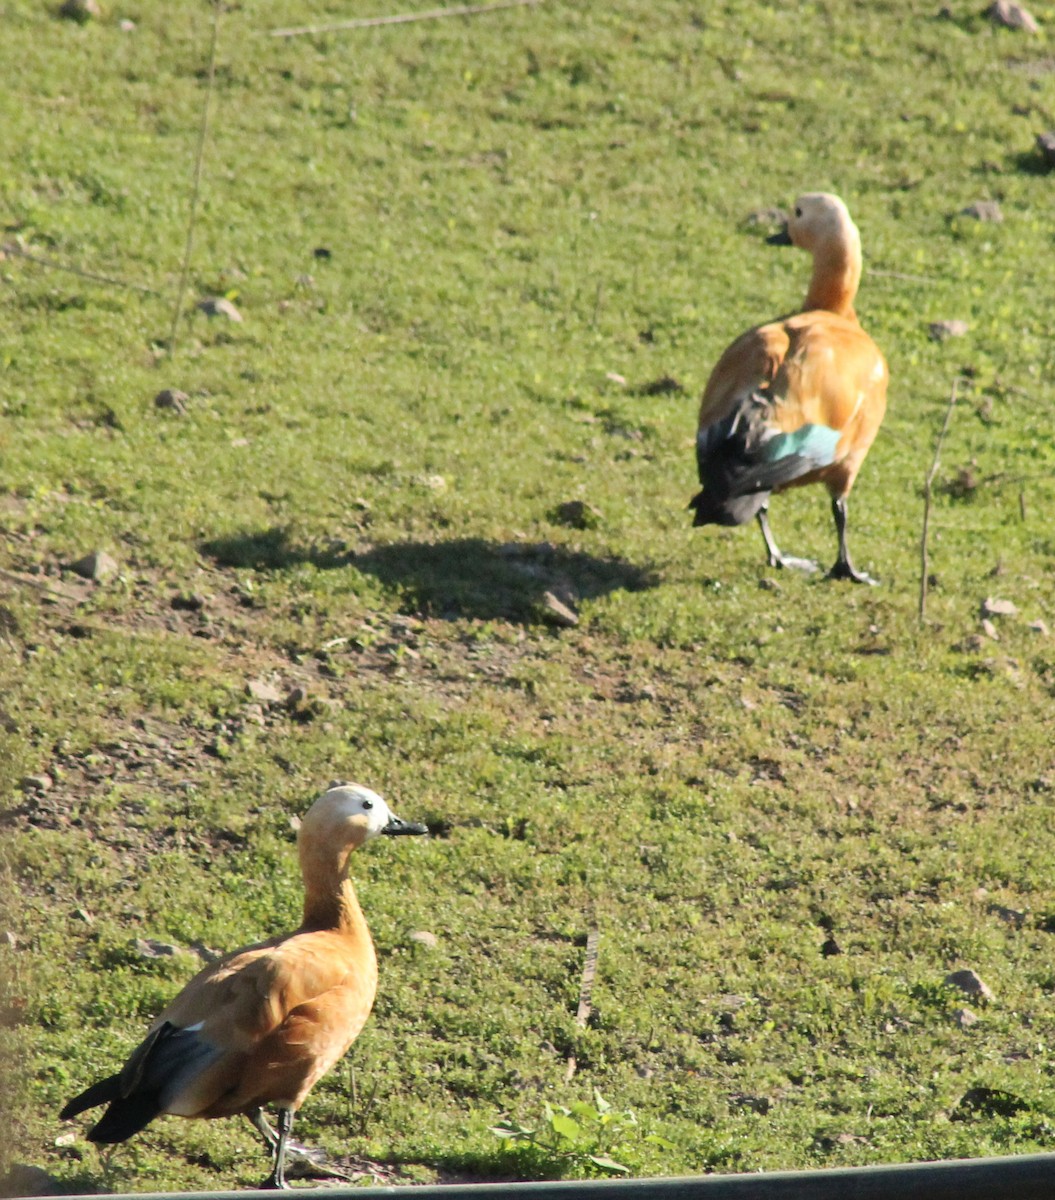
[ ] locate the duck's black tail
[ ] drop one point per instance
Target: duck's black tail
(135, 1094)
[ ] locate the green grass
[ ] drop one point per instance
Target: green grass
(720, 768)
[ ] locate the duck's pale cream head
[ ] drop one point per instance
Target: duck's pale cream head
(819, 220)
(346, 817)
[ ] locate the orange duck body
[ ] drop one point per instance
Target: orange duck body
(262, 1025)
(798, 400)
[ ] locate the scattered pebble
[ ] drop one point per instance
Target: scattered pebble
(188, 602)
(1011, 15)
(219, 306)
(422, 937)
(984, 210)
(1040, 626)
(615, 377)
(172, 398)
(1013, 916)
(36, 783)
(941, 331)
(989, 629)
(965, 1018)
(577, 514)
(151, 948)
(81, 11)
(998, 608)
(766, 216)
(97, 566)
(970, 983)
(1046, 146)
(263, 692)
(557, 612)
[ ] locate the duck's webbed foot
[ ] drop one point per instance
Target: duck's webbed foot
(773, 555)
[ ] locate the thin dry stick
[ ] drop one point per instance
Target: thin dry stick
(14, 249)
(434, 14)
(196, 185)
(589, 970)
(927, 487)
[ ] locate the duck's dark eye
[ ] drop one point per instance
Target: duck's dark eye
(798, 212)
(368, 804)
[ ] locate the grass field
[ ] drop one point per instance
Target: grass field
(485, 265)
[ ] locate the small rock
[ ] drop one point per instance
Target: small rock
(296, 698)
(1013, 916)
(322, 253)
(263, 692)
(82, 914)
(36, 783)
(964, 1018)
(665, 385)
(997, 608)
(830, 948)
(1011, 15)
(151, 948)
(983, 210)
(126, 25)
(766, 216)
(219, 306)
(188, 602)
(1040, 626)
(254, 715)
(10, 939)
(97, 566)
(989, 629)
(557, 612)
(81, 11)
(172, 398)
(422, 937)
(615, 377)
(577, 514)
(1046, 146)
(435, 483)
(970, 983)
(941, 331)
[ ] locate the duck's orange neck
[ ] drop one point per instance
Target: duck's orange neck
(335, 907)
(836, 275)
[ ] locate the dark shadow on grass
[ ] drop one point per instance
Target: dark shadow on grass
(465, 577)
(470, 577)
(272, 549)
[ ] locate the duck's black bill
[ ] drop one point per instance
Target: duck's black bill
(397, 827)
(781, 238)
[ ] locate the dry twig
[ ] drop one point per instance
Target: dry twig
(433, 14)
(589, 970)
(196, 185)
(14, 249)
(927, 490)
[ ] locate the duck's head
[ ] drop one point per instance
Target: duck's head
(346, 817)
(820, 221)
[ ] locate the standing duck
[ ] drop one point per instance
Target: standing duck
(263, 1024)
(799, 400)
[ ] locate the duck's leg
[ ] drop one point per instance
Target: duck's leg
(844, 568)
(775, 558)
(259, 1121)
(277, 1178)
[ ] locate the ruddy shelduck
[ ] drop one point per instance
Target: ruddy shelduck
(799, 400)
(263, 1024)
